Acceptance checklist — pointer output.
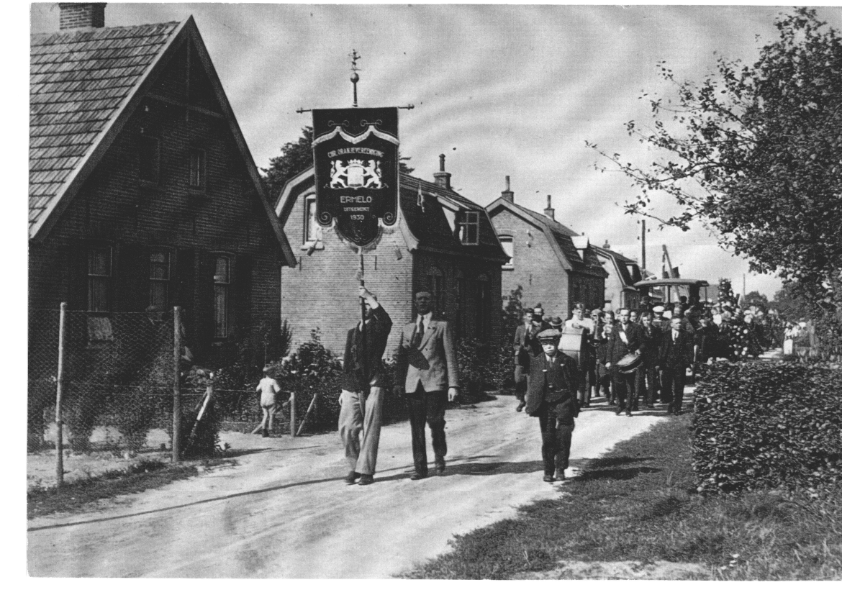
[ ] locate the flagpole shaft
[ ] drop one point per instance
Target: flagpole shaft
(364, 354)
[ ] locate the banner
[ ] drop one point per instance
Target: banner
(355, 151)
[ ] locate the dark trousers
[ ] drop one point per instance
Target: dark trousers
(623, 385)
(555, 440)
(647, 383)
(673, 387)
(427, 408)
(520, 384)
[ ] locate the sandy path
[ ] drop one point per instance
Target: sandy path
(284, 511)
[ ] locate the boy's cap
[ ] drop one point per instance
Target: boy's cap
(555, 322)
(549, 336)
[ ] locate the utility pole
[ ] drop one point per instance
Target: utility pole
(643, 244)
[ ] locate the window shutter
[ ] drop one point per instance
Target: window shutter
(130, 278)
(240, 306)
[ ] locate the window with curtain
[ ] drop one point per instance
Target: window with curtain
(159, 278)
(221, 296)
(311, 224)
(508, 244)
(470, 228)
(99, 279)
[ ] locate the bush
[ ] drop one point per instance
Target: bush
(767, 424)
(483, 366)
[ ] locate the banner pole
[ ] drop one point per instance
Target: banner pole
(364, 354)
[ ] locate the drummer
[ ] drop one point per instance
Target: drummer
(578, 321)
(625, 339)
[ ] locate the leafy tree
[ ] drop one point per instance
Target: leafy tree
(754, 298)
(753, 152)
(297, 156)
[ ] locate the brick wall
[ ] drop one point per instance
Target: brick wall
(321, 291)
(536, 267)
(115, 207)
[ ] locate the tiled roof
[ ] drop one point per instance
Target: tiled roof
(431, 227)
(620, 262)
(78, 81)
(559, 236)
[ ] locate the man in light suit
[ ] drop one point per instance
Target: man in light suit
(428, 374)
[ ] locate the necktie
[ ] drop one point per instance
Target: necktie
(674, 336)
(419, 332)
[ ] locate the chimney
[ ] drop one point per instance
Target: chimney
(507, 194)
(442, 177)
(550, 211)
(81, 15)
(606, 245)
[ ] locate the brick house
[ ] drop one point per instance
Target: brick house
(554, 265)
(142, 189)
(623, 273)
(443, 243)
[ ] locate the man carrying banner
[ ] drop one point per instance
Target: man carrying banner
(362, 390)
(428, 375)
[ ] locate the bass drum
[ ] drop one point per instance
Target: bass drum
(573, 343)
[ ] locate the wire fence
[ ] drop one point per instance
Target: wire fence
(112, 376)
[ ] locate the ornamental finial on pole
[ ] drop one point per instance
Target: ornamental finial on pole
(355, 78)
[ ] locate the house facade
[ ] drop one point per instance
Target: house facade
(143, 194)
(623, 273)
(554, 265)
(442, 243)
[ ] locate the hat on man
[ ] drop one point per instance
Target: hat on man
(555, 322)
(538, 310)
(550, 335)
(528, 311)
(267, 368)
(426, 294)
(658, 310)
(667, 315)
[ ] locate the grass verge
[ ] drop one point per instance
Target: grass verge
(142, 476)
(639, 503)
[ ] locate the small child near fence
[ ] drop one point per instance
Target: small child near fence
(268, 389)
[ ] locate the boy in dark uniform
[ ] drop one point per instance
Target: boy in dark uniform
(551, 397)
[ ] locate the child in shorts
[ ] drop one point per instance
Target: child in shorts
(268, 388)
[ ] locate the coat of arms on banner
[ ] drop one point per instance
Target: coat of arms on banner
(355, 173)
(356, 157)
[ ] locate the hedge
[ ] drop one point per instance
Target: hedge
(767, 424)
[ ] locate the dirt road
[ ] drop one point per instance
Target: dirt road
(284, 510)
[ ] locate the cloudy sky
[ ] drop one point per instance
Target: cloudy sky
(500, 90)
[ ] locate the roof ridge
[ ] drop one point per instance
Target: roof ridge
(95, 29)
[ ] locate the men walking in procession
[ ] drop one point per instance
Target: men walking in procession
(625, 339)
(428, 374)
(676, 356)
(525, 335)
(361, 401)
(551, 397)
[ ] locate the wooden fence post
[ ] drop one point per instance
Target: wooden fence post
(176, 387)
(292, 415)
(62, 321)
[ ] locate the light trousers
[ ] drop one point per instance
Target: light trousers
(361, 414)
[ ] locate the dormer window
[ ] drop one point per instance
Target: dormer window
(470, 229)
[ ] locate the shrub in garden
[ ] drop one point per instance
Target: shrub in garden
(483, 366)
(767, 424)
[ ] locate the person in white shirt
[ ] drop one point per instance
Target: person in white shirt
(268, 389)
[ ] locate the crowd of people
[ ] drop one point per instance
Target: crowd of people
(621, 355)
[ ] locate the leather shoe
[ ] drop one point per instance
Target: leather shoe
(366, 480)
(520, 406)
(548, 478)
(559, 475)
(628, 414)
(351, 477)
(416, 476)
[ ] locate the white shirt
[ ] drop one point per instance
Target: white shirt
(674, 335)
(426, 318)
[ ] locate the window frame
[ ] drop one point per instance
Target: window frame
(308, 200)
(155, 281)
(510, 240)
(226, 286)
(467, 225)
(437, 283)
(199, 172)
(108, 277)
